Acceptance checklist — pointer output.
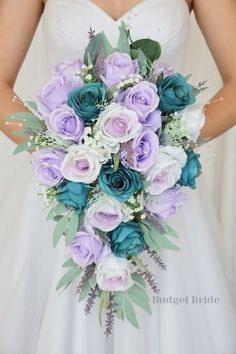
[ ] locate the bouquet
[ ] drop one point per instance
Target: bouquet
(112, 138)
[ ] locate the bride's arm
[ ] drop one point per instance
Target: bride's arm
(19, 20)
(217, 20)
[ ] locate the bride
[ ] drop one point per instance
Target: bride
(192, 313)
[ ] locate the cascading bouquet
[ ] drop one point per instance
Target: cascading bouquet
(113, 143)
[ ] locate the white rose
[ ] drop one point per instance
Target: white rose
(82, 163)
(116, 125)
(114, 274)
(193, 120)
(166, 170)
(106, 214)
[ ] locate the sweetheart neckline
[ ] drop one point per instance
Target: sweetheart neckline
(126, 13)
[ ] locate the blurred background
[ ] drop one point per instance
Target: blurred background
(218, 156)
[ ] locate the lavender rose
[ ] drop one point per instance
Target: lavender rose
(165, 204)
(114, 274)
(160, 69)
(65, 123)
(87, 248)
(53, 95)
(116, 125)
(106, 214)
(140, 153)
(166, 170)
(46, 164)
(82, 163)
(118, 66)
(70, 70)
(141, 98)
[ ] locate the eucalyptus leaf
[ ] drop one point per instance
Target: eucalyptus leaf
(72, 228)
(123, 41)
(25, 146)
(138, 279)
(86, 289)
(95, 44)
(68, 277)
(170, 231)
(139, 291)
(59, 209)
(22, 116)
(59, 229)
(142, 60)
(32, 105)
(69, 263)
(116, 161)
(149, 47)
(139, 297)
(102, 304)
(130, 313)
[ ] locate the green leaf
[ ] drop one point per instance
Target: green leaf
(68, 277)
(72, 228)
(103, 304)
(23, 147)
(142, 60)
(32, 105)
(139, 296)
(86, 289)
(150, 48)
(130, 313)
(155, 239)
(170, 231)
(119, 303)
(59, 209)
(187, 77)
(140, 264)
(94, 47)
(69, 263)
(81, 219)
(22, 117)
(59, 229)
(138, 279)
(116, 161)
(123, 42)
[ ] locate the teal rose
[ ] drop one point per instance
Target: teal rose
(86, 99)
(127, 240)
(74, 195)
(121, 184)
(175, 93)
(191, 170)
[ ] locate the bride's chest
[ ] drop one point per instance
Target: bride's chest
(66, 24)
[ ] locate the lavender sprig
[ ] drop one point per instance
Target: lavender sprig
(156, 258)
(110, 316)
(93, 294)
(88, 273)
(150, 280)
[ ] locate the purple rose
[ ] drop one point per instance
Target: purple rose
(140, 153)
(68, 70)
(46, 164)
(165, 204)
(144, 100)
(65, 123)
(53, 95)
(118, 66)
(161, 68)
(87, 248)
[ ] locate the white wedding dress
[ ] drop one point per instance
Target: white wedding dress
(34, 318)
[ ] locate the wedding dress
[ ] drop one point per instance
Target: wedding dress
(34, 318)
